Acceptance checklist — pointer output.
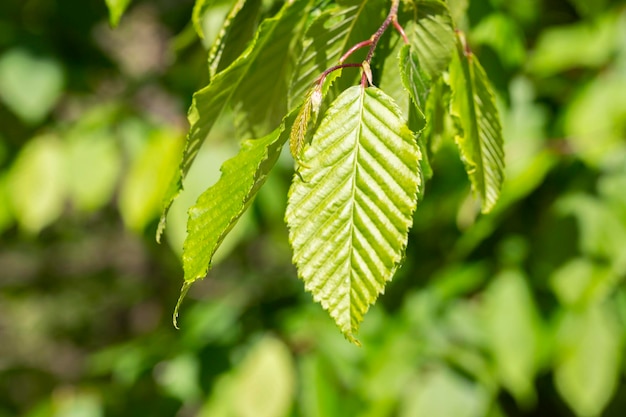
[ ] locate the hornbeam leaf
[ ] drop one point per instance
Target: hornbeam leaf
(217, 209)
(330, 36)
(480, 141)
(237, 29)
(207, 104)
(351, 207)
(431, 36)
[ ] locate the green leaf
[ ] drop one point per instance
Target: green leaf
(217, 209)
(238, 28)
(30, 86)
(116, 10)
(37, 184)
(414, 79)
(330, 36)
(589, 345)
(431, 36)
(480, 138)
(272, 38)
(351, 207)
(511, 324)
(262, 385)
(142, 189)
(443, 393)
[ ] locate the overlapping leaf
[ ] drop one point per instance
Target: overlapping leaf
(217, 209)
(480, 140)
(238, 28)
(350, 209)
(116, 10)
(273, 37)
(330, 36)
(431, 35)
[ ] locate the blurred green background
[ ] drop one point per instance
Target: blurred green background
(518, 313)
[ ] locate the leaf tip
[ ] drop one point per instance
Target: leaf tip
(183, 293)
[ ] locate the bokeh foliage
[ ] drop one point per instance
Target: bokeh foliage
(518, 313)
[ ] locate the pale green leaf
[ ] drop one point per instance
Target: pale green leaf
(431, 36)
(511, 323)
(37, 183)
(351, 207)
(587, 368)
(116, 10)
(217, 209)
(443, 393)
(480, 138)
(273, 36)
(262, 385)
(93, 164)
(143, 187)
(330, 36)
(29, 85)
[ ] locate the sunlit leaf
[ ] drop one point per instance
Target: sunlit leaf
(238, 28)
(217, 209)
(271, 42)
(116, 10)
(350, 209)
(480, 140)
(143, 187)
(431, 36)
(37, 183)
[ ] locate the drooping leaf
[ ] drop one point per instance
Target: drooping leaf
(238, 28)
(273, 37)
(217, 209)
(330, 36)
(480, 138)
(350, 209)
(116, 10)
(431, 36)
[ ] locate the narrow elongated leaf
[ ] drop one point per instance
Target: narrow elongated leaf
(330, 36)
(414, 78)
(480, 140)
(217, 209)
(432, 36)
(350, 209)
(207, 105)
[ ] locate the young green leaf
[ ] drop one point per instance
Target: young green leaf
(431, 36)
(480, 140)
(116, 10)
(306, 117)
(217, 209)
(273, 36)
(350, 210)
